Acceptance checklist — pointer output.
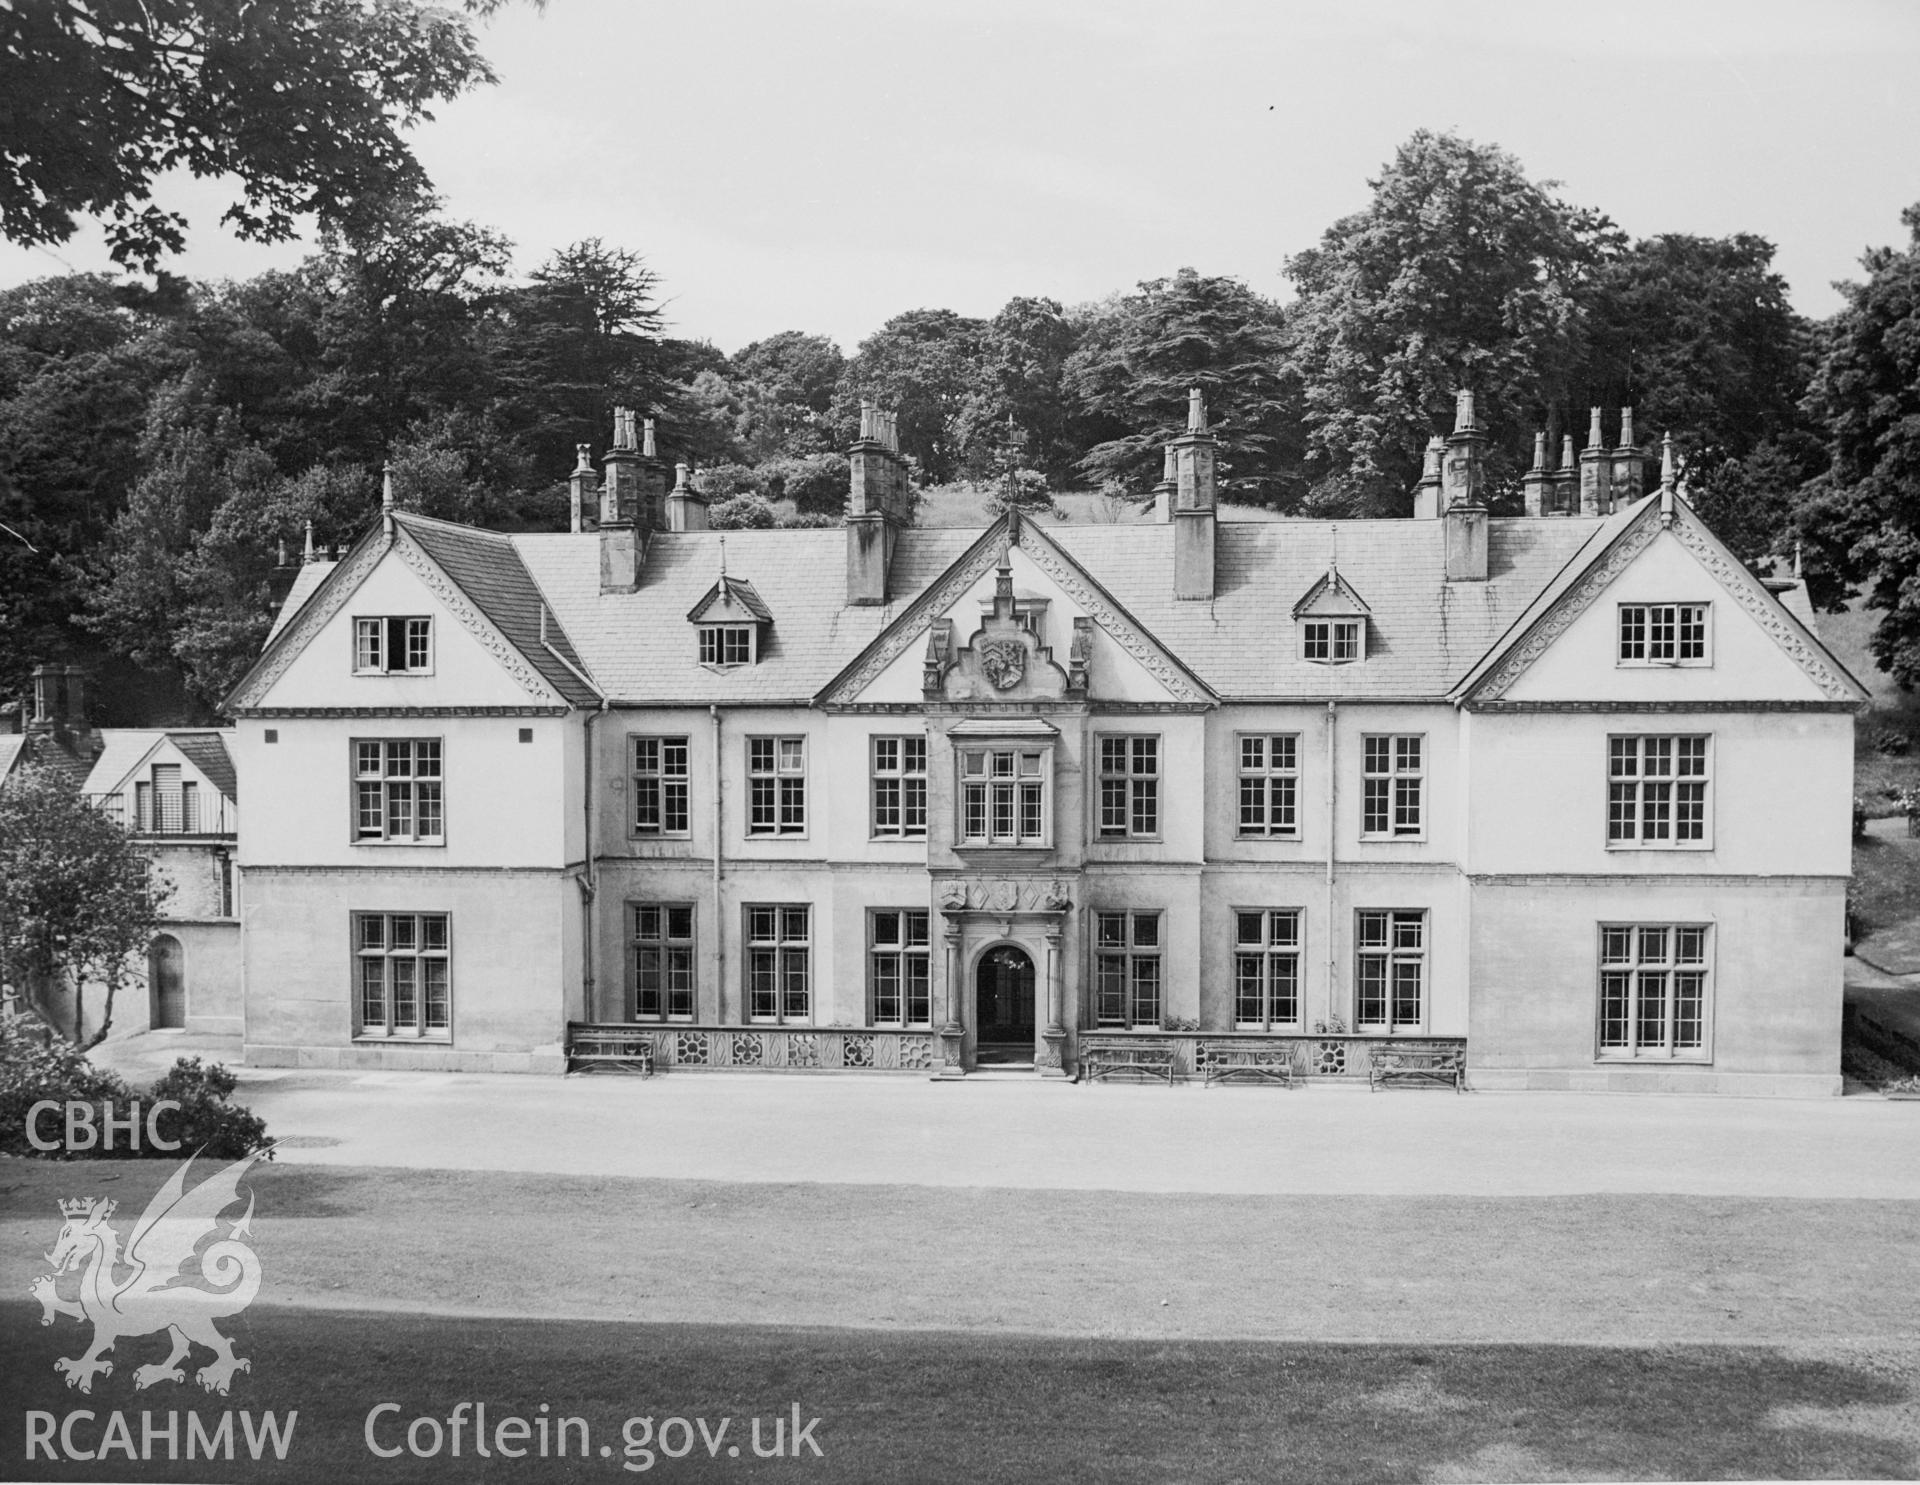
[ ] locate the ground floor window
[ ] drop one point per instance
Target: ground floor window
(1654, 979)
(1266, 969)
(779, 961)
(1390, 972)
(404, 985)
(899, 973)
(662, 949)
(1127, 969)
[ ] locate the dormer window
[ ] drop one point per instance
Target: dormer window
(393, 646)
(1333, 641)
(726, 644)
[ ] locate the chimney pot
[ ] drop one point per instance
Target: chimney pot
(1196, 410)
(1463, 419)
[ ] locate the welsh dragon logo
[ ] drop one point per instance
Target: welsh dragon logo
(160, 1292)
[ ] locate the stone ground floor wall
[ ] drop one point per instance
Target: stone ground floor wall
(514, 967)
(1774, 992)
(211, 951)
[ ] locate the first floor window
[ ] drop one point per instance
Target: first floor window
(1391, 970)
(900, 787)
(899, 969)
(1270, 785)
(1393, 769)
(1266, 969)
(776, 786)
(1129, 787)
(1657, 791)
(779, 962)
(404, 987)
(660, 783)
(1653, 990)
(1126, 969)
(662, 961)
(1003, 793)
(397, 785)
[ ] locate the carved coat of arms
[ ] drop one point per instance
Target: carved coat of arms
(1004, 661)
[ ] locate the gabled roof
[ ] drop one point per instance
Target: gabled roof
(306, 582)
(11, 745)
(126, 750)
(1331, 595)
(207, 751)
(737, 601)
(1621, 538)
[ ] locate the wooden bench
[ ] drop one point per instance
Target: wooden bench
(1104, 1056)
(1443, 1065)
(1256, 1064)
(621, 1048)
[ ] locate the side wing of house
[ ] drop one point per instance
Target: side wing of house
(1659, 772)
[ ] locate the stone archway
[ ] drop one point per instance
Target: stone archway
(167, 984)
(1004, 1004)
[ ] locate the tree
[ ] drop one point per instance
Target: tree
(76, 903)
(1140, 353)
(1460, 273)
(1022, 358)
(1861, 518)
(787, 383)
(304, 103)
(924, 365)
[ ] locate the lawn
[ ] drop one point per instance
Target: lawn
(1023, 1334)
(923, 1406)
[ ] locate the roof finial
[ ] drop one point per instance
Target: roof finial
(1333, 555)
(308, 556)
(386, 486)
(1798, 575)
(1666, 461)
(723, 557)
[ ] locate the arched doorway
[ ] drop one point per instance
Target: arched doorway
(1003, 1006)
(167, 984)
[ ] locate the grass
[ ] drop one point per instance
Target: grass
(933, 1406)
(1886, 887)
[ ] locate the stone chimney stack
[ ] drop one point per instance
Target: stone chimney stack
(1629, 464)
(1463, 472)
(1426, 493)
(879, 504)
(584, 495)
(653, 482)
(1538, 481)
(1463, 488)
(49, 700)
(1163, 492)
(1195, 502)
(1596, 472)
(686, 505)
(77, 677)
(1566, 479)
(623, 548)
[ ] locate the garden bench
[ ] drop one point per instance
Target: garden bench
(1103, 1056)
(1256, 1064)
(1444, 1065)
(622, 1048)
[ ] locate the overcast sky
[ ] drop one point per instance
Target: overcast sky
(824, 164)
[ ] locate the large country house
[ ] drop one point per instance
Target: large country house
(1569, 790)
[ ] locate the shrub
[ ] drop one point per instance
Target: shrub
(815, 483)
(802, 520)
(34, 1067)
(747, 512)
(719, 482)
(1890, 742)
(206, 1121)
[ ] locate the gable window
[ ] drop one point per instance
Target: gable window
(396, 790)
(1663, 634)
(900, 787)
(1393, 773)
(1003, 796)
(1129, 788)
(396, 646)
(404, 986)
(662, 949)
(1270, 784)
(1126, 969)
(1654, 980)
(166, 804)
(899, 967)
(1266, 969)
(779, 962)
(1390, 972)
(776, 786)
(1657, 791)
(726, 644)
(1332, 641)
(660, 784)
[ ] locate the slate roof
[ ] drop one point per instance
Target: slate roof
(10, 745)
(1423, 632)
(639, 646)
(728, 594)
(489, 570)
(305, 583)
(207, 751)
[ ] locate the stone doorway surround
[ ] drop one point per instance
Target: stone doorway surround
(982, 913)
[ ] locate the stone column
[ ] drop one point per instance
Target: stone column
(953, 1034)
(1053, 1061)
